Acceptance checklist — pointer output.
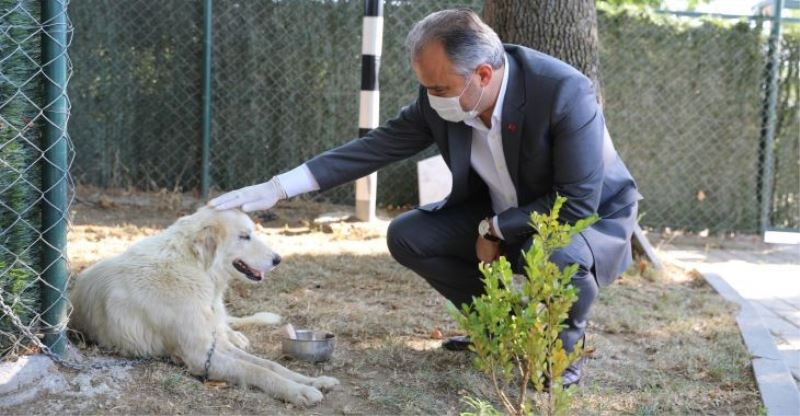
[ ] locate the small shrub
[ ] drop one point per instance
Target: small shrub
(514, 331)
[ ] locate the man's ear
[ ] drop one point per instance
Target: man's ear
(486, 73)
(205, 244)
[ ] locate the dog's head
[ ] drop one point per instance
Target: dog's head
(226, 243)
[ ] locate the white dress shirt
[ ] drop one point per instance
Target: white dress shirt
(486, 157)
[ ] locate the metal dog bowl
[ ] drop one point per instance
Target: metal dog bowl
(313, 346)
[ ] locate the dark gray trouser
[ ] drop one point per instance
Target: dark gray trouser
(440, 247)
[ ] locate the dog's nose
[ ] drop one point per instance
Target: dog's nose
(276, 260)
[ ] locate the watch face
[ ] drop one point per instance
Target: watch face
(483, 227)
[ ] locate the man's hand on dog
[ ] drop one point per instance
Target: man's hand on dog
(251, 198)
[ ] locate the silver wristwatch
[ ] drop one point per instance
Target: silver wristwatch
(485, 230)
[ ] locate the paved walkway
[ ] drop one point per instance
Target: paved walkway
(765, 280)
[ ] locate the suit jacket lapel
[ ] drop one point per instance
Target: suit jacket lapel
(513, 116)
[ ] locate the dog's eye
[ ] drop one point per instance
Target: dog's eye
(244, 237)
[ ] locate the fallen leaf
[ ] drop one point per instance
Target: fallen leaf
(589, 352)
(216, 384)
(106, 202)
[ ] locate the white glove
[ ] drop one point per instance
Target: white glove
(251, 198)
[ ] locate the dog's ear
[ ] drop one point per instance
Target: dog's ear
(205, 244)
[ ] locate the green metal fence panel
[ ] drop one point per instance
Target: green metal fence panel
(769, 118)
(285, 89)
(137, 93)
(683, 99)
(683, 102)
(35, 155)
(785, 206)
(285, 92)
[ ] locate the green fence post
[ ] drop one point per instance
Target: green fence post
(770, 118)
(207, 63)
(54, 173)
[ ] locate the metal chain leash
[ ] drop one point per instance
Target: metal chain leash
(210, 353)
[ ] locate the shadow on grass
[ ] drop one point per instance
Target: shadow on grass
(662, 343)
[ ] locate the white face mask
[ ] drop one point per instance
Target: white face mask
(449, 108)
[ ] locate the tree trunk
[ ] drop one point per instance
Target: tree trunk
(566, 29)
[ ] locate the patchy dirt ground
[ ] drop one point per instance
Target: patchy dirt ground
(663, 342)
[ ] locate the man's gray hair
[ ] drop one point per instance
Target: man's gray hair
(467, 41)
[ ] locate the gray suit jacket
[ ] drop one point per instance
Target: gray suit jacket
(554, 142)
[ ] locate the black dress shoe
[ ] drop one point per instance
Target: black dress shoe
(571, 376)
(458, 343)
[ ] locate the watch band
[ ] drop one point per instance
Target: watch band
(488, 235)
(491, 238)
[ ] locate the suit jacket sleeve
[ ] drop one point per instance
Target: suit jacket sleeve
(577, 129)
(402, 137)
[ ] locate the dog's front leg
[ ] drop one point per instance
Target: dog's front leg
(237, 338)
(223, 321)
(227, 367)
(323, 383)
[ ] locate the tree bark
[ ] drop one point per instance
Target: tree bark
(566, 29)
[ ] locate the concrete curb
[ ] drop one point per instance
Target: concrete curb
(775, 382)
(25, 371)
(23, 380)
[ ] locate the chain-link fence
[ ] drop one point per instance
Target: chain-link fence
(137, 91)
(785, 207)
(286, 84)
(684, 100)
(35, 154)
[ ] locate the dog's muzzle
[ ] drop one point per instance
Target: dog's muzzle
(245, 269)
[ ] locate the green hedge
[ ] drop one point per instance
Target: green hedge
(19, 174)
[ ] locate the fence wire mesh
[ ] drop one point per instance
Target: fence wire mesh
(683, 99)
(35, 155)
(138, 69)
(785, 206)
(285, 92)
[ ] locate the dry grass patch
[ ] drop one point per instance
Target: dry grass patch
(663, 343)
(667, 343)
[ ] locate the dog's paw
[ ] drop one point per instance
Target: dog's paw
(325, 383)
(304, 396)
(239, 339)
(267, 318)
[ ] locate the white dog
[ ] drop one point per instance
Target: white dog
(163, 297)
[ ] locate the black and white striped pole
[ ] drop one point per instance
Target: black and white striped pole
(369, 101)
